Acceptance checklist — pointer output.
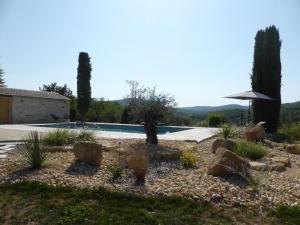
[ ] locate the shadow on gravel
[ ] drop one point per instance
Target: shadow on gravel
(17, 174)
(82, 168)
(235, 180)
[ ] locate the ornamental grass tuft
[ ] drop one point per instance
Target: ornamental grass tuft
(250, 150)
(32, 151)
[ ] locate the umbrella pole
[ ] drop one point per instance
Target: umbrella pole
(249, 111)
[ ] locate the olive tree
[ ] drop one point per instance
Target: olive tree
(147, 105)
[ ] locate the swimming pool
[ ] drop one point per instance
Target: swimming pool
(138, 129)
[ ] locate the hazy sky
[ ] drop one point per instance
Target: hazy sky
(196, 50)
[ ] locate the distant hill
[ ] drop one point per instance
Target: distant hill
(194, 109)
(290, 112)
(208, 109)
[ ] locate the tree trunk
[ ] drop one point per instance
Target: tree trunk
(151, 132)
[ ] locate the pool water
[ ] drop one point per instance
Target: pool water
(113, 127)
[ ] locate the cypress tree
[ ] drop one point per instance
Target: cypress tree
(1, 77)
(83, 83)
(266, 77)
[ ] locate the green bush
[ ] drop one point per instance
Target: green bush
(226, 131)
(58, 137)
(250, 150)
(188, 159)
(216, 119)
(85, 135)
(291, 132)
(61, 137)
(32, 151)
(288, 214)
(116, 170)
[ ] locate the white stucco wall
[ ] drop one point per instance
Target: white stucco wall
(39, 110)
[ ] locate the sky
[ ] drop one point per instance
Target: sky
(199, 51)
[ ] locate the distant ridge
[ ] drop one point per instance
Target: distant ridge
(207, 109)
(195, 109)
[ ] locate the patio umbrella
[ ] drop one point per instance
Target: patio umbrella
(250, 95)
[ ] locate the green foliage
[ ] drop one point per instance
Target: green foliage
(188, 159)
(150, 107)
(74, 214)
(126, 116)
(288, 214)
(32, 151)
(266, 77)
(290, 132)
(202, 123)
(58, 137)
(226, 131)
(73, 109)
(68, 205)
(255, 183)
(85, 135)
(116, 170)
(250, 150)
(83, 83)
(1, 77)
(104, 111)
(290, 113)
(61, 137)
(216, 119)
(53, 87)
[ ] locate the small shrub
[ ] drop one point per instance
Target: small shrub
(74, 214)
(116, 170)
(85, 135)
(250, 150)
(291, 132)
(255, 183)
(32, 151)
(288, 214)
(216, 119)
(226, 131)
(188, 159)
(202, 123)
(58, 137)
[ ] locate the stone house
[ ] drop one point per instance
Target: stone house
(24, 106)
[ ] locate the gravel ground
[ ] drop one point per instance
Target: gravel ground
(165, 178)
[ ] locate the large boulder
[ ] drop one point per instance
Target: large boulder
(222, 143)
(255, 133)
(285, 160)
(163, 153)
(88, 152)
(227, 163)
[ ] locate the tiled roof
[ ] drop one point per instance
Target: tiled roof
(28, 93)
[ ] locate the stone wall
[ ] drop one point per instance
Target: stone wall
(39, 110)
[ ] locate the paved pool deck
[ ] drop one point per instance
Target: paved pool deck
(17, 132)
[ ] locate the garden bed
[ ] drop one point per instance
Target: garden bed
(164, 178)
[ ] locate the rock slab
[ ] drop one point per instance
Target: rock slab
(293, 149)
(228, 163)
(224, 143)
(255, 133)
(88, 152)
